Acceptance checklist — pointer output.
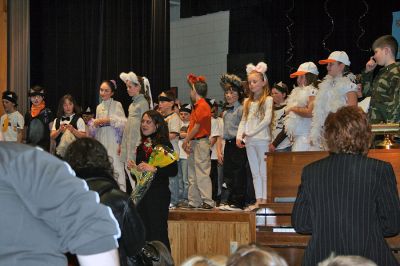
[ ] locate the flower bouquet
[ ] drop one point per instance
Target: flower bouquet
(160, 156)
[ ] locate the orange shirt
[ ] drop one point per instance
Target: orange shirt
(201, 115)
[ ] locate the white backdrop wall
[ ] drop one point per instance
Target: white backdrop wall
(199, 45)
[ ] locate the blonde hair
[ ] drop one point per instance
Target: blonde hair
(217, 260)
(252, 255)
(346, 261)
(261, 100)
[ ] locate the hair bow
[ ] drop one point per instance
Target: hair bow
(192, 78)
(261, 67)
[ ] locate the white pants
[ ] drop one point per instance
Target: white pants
(256, 156)
(301, 143)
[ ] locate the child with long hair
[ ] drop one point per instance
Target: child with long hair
(300, 105)
(139, 89)
(109, 125)
(68, 126)
(254, 128)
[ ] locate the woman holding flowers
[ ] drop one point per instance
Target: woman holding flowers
(154, 205)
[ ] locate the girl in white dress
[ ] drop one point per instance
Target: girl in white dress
(254, 129)
(300, 105)
(336, 90)
(109, 126)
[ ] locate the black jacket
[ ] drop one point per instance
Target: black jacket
(132, 229)
(349, 204)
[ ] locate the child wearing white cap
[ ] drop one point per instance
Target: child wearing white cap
(336, 90)
(300, 106)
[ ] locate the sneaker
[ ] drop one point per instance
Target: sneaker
(222, 207)
(233, 208)
(181, 204)
(251, 207)
(206, 207)
(186, 205)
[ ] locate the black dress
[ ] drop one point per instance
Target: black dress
(154, 206)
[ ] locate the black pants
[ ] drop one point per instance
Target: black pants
(154, 209)
(235, 174)
(214, 179)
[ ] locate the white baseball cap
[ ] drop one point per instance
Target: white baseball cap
(307, 67)
(336, 56)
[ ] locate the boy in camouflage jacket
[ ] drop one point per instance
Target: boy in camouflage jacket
(384, 89)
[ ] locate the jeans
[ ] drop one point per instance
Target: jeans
(183, 182)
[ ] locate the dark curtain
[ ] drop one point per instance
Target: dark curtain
(260, 27)
(77, 44)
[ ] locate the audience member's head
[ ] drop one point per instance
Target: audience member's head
(251, 255)
(348, 131)
(88, 157)
(204, 261)
(346, 261)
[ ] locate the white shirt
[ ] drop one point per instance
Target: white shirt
(15, 123)
(80, 124)
(182, 153)
(217, 130)
(256, 129)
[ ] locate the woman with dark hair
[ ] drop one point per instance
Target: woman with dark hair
(108, 128)
(68, 125)
(91, 162)
(348, 202)
(154, 206)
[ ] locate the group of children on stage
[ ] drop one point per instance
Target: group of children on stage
(221, 156)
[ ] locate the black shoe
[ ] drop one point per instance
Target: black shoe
(206, 207)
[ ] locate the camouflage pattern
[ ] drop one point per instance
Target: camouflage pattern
(384, 90)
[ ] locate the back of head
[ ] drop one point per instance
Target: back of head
(346, 261)
(253, 256)
(218, 260)
(198, 83)
(348, 131)
(88, 157)
(386, 41)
